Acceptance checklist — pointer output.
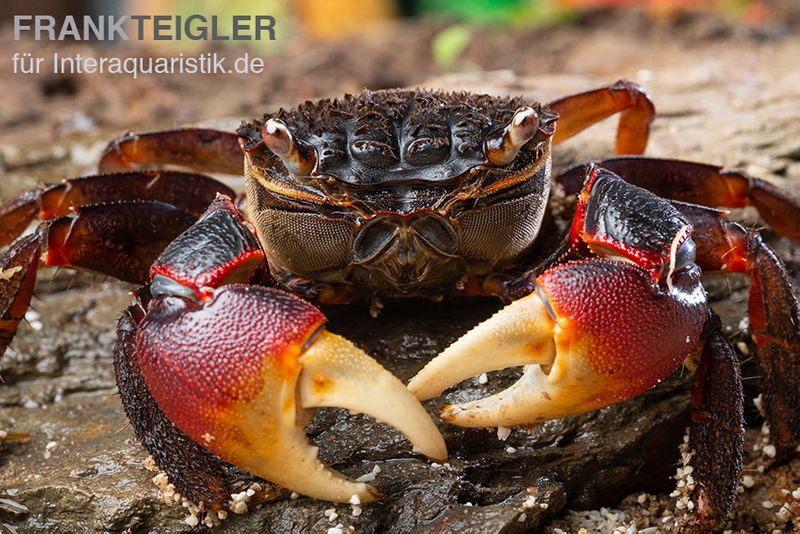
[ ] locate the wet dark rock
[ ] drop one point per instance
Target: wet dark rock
(94, 479)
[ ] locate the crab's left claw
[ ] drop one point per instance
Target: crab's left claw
(610, 321)
(237, 367)
(594, 333)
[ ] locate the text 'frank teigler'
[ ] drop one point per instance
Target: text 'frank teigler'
(145, 27)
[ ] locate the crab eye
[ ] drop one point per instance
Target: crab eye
(299, 159)
(503, 147)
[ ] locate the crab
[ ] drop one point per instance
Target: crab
(223, 355)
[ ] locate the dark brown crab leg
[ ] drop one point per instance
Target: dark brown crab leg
(189, 192)
(139, 232)
(700, 183)
(119, 240)
(716, 439)
(82, 216)
(772, 310)
(200, 149)
(17, 276)
(631, 101)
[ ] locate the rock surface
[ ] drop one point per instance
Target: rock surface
(727, 100)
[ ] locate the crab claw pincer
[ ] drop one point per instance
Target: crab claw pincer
(616, 315)
(239, 367)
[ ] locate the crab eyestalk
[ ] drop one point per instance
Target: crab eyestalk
(299, 160)
(503, 148)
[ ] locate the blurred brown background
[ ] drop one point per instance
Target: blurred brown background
(326, 47)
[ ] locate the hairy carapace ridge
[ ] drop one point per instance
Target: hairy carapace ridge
(384, 136)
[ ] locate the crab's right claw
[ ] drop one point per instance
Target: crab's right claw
(599, 329)
(238, 367)
(238, 374)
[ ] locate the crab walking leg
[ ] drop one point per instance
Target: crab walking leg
(191, 193)
(115, 224)
(120, 240)
(700, 183)
(631, 101)
(200, 149)
(716, 438)
(16, 214)
(773, 312)
(18, 268)
(236, 367)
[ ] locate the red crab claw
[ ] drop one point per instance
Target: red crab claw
(238, 367)
(600, 328)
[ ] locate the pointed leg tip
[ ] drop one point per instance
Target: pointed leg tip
(417, 387)
(372, 494)
(450, 413)
(435, 451)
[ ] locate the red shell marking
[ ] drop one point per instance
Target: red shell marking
(197, 360)
(629, 329)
